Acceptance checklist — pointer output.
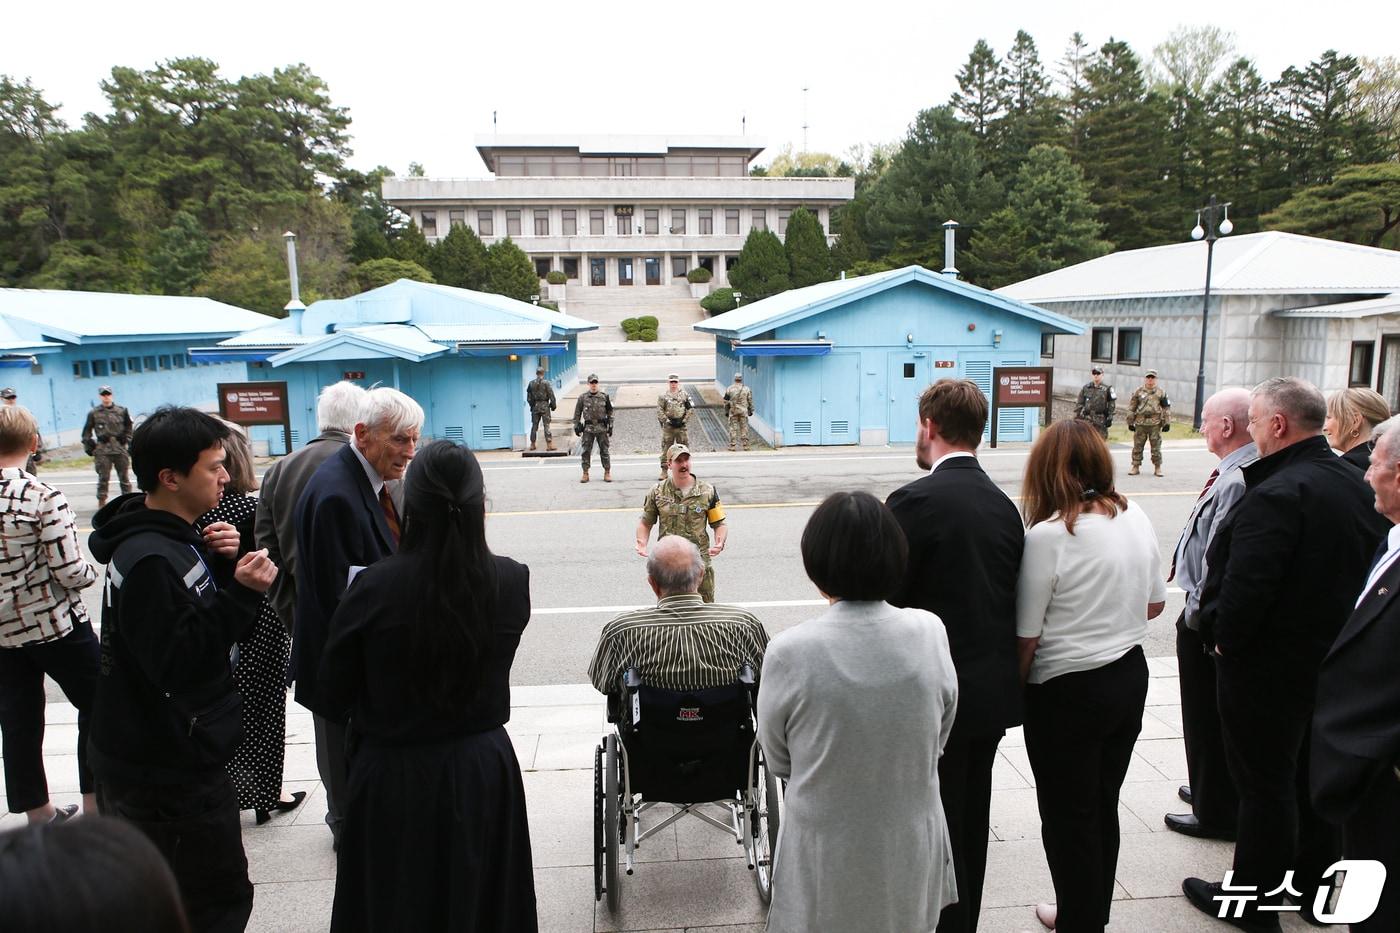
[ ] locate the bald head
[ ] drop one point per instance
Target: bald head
(1225, 421)
(674, 566)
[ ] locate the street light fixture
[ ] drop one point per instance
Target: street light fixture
(1212, 223)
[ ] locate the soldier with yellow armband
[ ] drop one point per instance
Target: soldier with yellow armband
(688, 506)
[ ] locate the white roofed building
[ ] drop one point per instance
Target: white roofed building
(1280, 304)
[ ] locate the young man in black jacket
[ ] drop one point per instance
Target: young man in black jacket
(167, 717)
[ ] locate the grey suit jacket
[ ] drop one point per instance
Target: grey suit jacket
(275, 527)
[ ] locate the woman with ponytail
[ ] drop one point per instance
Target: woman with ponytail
(419, 660)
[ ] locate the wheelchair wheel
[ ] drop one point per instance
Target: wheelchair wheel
(598, 828)
(763, 825)
(611, 823)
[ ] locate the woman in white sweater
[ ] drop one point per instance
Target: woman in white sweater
(1090, 579)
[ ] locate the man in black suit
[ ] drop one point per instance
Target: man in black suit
(1282, 576)
(1356, 726)
(965, 540)
(345, 521)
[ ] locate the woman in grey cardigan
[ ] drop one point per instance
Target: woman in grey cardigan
(853, 711)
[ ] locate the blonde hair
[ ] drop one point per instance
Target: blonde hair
(238, 461)
(1351, 408)
(17, 430)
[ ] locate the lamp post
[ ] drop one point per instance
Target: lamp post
(1216, 220)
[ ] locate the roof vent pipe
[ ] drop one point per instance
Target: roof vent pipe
(948, 268)
(294, 308)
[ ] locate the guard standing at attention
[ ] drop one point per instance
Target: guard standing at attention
(688, 506)
(672, 411)
(738, 406)
(593, 423)
(1097, 403)
(106, 432)
(539, 395)
(1148, 417)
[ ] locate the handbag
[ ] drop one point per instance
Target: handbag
(214, 729)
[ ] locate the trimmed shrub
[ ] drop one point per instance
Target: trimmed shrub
(647, 335)
(555, 277)
(719, 301)
(550, 305)
(698, 276)
(648, 320)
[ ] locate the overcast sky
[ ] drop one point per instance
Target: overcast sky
(421, 79)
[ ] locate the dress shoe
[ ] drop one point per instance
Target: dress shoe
(1184, 792)
(63, 814)
(1201, 894)
(1188, 825)
(1047, 914)
(281, 806)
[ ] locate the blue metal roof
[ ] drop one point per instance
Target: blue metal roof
(389, 340)
(78, 317)
(799, 303)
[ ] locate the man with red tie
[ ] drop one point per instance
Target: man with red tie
(346, 520)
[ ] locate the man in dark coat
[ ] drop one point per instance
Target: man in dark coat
(1356, 726)
(965, 540)
(337, 410)
(1282, 576)
(346, 520)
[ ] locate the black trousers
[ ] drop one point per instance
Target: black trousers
(334, 771)
(1080, 731)
(1213, 797)
(1372, 834)
(965, 784)
(72, 661)
(195, 826)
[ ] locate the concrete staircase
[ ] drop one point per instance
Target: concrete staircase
(608, 306)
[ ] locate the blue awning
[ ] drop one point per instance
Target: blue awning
(17, 362)
(535, 348)
(781, 347)
(234, 354)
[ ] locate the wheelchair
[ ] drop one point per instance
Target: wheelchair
(691, 749)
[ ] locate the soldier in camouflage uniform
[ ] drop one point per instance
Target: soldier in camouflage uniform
(10, 398)
(1148, 418)
(593, 423)
(1097, 403)
(672, 412)
(687, 506)
(539, 395)
(106, 432)
(738, 406)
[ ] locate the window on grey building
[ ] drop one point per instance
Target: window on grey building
(1363, 357)
(731, 221)
(651, 221)
(456, 218)
(428, 222)
(651, 167)
(678, 269)
(1047, 346)
(542, 222)
(512, 221)
(99, 368)
(542, 267)
(760, 218)
(706, 220)
(783, 214)
(570, 267)
(486, 223)
(569, 218)
(678, 220)
(510, 165)
(1130, 345)
(1101, 345)
(595, 221)
(704, 166)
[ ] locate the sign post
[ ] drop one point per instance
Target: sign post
(256, 403)
(1021, 387)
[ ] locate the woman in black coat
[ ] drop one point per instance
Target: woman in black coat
(435, 833)
(1352, 414)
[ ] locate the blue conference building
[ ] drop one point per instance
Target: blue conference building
(465, 356)
(845, 362)
(57, 348)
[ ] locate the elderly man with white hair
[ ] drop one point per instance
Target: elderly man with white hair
(346, 519)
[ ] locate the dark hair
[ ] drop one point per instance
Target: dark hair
(90, 875)
(852, 547)
(172, 438)
(1069, 468)
(959, 408)
(445, 523)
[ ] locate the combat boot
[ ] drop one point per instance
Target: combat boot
(584, 477)
(607, 476)
(549, 445)
(532, 445)
(1157, 469)
(1134, 471)
(101, 502)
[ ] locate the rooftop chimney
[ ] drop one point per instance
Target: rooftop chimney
(294, 308)
(948, 268)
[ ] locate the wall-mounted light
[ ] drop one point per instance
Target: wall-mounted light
(821, 335)
(514, 358)
(908, 338)
(996, 338)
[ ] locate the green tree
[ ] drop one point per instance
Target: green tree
(981, 97)
(247, 272)
(1360, 205)
(1072, 70)
(509, 271)
(762, 267)
(1378, 93)
(1193, 58)
(806, 165)
(460, 259)
(850, 245)
(1048, 222)
(808, 256)
(1319, 122)
(411, 246)
(1243, 159)
(368, 240)
(378, 272)
(1032, 114)
(181, 256)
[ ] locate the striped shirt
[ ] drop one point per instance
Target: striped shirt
(41, 563)
(681, 644)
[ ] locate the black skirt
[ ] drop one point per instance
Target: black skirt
(436, 838)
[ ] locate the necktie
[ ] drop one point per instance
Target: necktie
(391, 514)
(1210, 481)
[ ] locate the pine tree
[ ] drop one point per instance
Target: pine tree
(369, 241)
(981, 94)
(379, 272)
(850, 246)
(460, 259)
(1243, 160)
(411, 246)
(762, 267)
(1072, 70)
(1032, 117)
(1360, 205)
(181, 256)
(509, 271)
(808, 256)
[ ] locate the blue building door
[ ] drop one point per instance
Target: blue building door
(821, 399)
(471, 403)
(1013, 424)
(907, 376)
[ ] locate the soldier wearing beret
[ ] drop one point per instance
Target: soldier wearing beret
(1096, 403)
(672, 412)
(1148, 417)
(688, 506)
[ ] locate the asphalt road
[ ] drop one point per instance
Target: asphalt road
(577, 539)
